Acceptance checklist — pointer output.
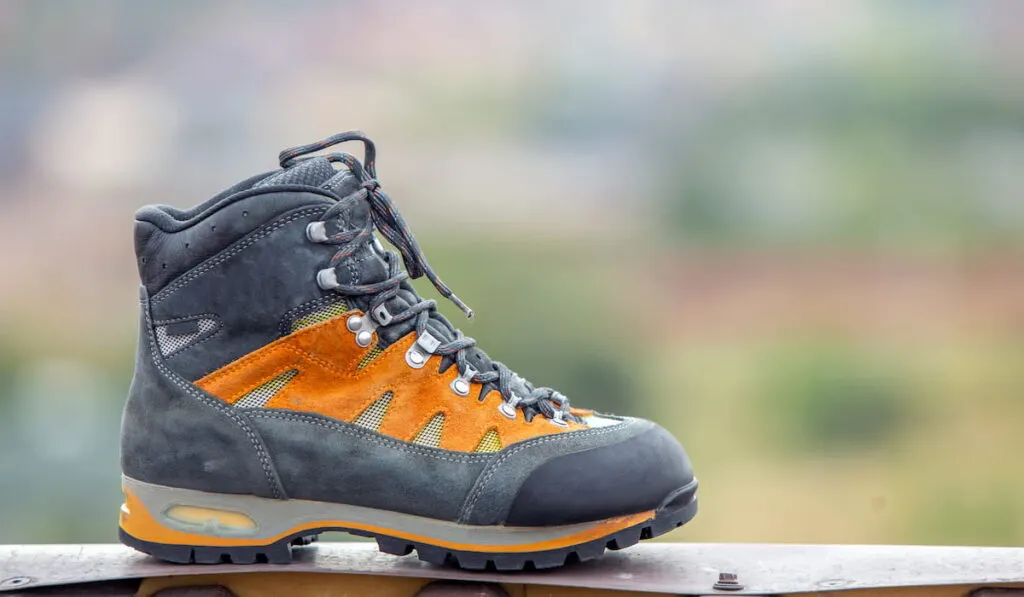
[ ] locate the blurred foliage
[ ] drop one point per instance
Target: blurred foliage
(9, 366)
(978, 516)
(538, 313)
(834, 397)
(897, 156)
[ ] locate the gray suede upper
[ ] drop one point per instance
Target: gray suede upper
(175, 434)
(243, 261)
(248, 269)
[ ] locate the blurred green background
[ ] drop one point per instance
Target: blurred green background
(791, 231)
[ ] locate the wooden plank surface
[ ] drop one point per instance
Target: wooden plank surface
(657, 567)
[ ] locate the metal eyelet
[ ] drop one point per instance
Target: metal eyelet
(327, 279)
(382, 315)
(508, 407)
(316, 232)
(460, 385)
(558, 421)
(421, 350)
(363, 328)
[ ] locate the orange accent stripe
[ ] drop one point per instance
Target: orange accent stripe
(330, 383)
(139, 523)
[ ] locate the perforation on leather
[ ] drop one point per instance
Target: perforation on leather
(311, 172)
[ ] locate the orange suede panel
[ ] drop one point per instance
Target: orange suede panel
(329, 383)
(422, 393)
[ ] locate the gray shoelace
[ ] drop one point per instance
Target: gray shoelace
(387, 219)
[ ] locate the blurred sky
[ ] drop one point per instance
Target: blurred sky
(791, 231)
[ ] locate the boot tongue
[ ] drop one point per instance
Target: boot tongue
(342, 183)
(314, 172)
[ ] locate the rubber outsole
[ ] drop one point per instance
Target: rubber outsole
(677, 510)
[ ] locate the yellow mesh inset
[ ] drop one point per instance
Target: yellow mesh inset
(320, 315)
(262, 393)
(491, 442)
(430, 435)
(375, 352)
(373, 416)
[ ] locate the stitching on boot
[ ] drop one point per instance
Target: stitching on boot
(485, 476)
(292, 315)
(230, 252)
(218, 328)
(276, 489)
(376, 438)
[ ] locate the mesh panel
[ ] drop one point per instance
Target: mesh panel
(491, 442)
(262, 394)
(431, 434)
(342, 183)
(170, 344)
(310, 172)
(320, 315)
(368, 358)
(373, 416)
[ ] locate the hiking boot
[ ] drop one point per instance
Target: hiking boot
(290, 381)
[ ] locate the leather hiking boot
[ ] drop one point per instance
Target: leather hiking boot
(290, 381)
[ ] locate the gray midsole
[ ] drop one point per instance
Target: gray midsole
(274, 518)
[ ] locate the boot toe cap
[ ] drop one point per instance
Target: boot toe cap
(636, 474)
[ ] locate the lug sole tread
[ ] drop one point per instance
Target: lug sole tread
(280, 552)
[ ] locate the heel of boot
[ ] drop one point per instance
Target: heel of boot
(209, 530)
(275, 553)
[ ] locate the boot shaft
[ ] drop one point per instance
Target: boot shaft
(238, 272)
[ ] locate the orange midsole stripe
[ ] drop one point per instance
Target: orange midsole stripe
(139, 523)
